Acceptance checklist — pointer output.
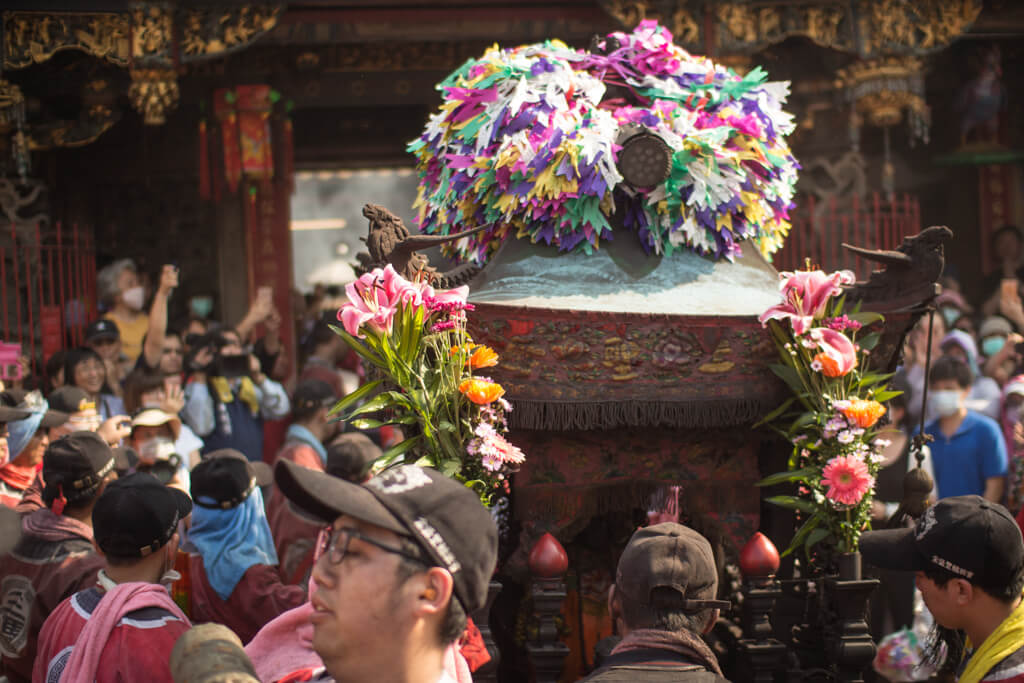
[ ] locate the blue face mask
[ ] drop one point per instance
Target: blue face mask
(990, 346)
(950, 314)
(201, 306)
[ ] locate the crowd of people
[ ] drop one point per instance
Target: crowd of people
(163, 476)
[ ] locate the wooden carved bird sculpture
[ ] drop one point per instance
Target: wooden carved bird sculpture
(389, 241)
(911, 270)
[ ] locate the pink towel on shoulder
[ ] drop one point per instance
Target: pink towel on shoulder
(125, 598)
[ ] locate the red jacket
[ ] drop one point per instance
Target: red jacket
(259, 597)
(54, 559)
(294, 535)
(138, 649)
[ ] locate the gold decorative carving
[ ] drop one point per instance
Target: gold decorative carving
(154, 92)
(34, 37)
(629, 12)
(152, 33)
(210, 31)
(923, 25)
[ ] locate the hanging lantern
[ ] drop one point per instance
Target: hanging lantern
(883, 90)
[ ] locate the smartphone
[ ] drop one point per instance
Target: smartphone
(10, 365)
(234, 366)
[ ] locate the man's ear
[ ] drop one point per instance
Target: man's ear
(962, 591)
(434, 591)
(711, 621)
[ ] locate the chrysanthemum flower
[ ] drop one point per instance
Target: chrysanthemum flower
(847, 479)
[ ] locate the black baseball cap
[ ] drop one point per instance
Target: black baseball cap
(25, 403)
(137, 515)
(227, 478)
(439, 514)
(967, 535)
(669, 555)
(75, 465)
(350, 456)
(311, 395)
(70, 399)
(101, 329)
(12, 414)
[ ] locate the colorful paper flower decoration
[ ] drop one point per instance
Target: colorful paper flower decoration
(527, 141)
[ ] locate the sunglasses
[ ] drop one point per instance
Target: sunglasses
(336, 542)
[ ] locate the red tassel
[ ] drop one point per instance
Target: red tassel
(59, 502)
(204, 162)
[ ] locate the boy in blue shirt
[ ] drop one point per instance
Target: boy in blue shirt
(968, 450)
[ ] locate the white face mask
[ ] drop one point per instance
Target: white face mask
(134, 298)
(945, 403)
(155, 449)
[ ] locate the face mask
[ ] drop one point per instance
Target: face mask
(156, 449)
(990, 346)
(134, 298)
(950, 314)
(945, 403)
(201, 306)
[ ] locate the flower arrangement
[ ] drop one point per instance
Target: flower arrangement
(414, 338)
(830, 421)
(526, 141)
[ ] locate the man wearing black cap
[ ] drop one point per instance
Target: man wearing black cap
(55, 557)
(662, 601)
(123, 628)
(969, 557)
(235, 579)
(409, 555)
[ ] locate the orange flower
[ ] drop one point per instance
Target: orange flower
(481, 391)
(864, 413)
(463, 348)
(829, 366)
(483, 357)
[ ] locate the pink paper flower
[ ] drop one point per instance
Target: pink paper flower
(805, 296)
(847, 479)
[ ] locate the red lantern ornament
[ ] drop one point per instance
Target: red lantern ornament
(759, 557)
(548, 559)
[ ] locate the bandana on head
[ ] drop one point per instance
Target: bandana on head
(232, 540)
(22, 431)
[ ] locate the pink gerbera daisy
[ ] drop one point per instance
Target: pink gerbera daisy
(847, 479)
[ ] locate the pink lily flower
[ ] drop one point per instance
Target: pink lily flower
(805, 297)
(838, 348)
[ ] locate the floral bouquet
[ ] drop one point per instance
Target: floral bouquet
(414, 338)
(830, 419)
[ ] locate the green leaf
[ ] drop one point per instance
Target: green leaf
(399, 449)
(770, 417)
(378, 402)
(450, 468)
(801, 535)
(866, 318)
(869, 341)
(816, 536)
(355, 396)
(803, 420)
(360, 348)
(886, 395)
(789, 376)
(792, 503)
(786, 477)
(367, 423)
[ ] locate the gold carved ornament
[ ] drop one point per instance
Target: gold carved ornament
(34, 37)
(882, 89)
(154, 92)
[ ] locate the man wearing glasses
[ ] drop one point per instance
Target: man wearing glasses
(409, 554)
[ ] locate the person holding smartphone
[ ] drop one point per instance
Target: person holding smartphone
(227, 400)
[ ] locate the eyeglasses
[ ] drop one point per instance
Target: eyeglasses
(336, 542)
